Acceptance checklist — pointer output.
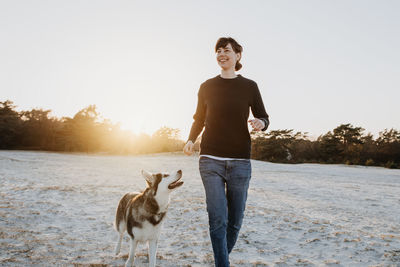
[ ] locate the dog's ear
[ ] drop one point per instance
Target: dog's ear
(149, 177)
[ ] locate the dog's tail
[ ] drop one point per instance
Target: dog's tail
(116, 224)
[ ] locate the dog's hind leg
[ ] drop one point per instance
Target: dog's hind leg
(152, 252)
(131, 258)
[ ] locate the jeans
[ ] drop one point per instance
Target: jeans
(226, 183)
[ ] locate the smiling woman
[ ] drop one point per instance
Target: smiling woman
(223, 110)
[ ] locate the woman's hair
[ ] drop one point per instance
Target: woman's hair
(224, 41)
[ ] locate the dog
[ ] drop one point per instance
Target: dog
(142, 214)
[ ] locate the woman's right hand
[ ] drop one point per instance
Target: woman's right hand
(188, 148)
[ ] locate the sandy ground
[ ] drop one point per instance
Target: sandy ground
(58, 210)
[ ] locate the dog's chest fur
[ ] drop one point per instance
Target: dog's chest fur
(148, 231)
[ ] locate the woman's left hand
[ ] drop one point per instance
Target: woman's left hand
(257, 124)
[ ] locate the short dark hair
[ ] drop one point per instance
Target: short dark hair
(224, 41)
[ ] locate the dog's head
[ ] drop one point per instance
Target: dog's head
(163, 182)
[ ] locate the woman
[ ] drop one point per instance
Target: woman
(223, 109)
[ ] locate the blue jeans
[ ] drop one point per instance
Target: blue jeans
(226, 183)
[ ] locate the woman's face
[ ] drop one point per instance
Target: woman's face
(227, 58)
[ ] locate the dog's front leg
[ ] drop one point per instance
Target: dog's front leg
(152, 252)
(131, 258)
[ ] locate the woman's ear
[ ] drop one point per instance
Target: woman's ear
(239, 56)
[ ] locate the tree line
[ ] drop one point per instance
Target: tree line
(86, 131)
(346, 144)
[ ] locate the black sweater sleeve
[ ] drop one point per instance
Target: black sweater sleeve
(198, 117)
(258, 109)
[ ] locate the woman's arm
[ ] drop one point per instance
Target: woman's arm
(198, 117)
(198, 123)
(258, 110)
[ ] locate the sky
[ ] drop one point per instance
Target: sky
(318, 64)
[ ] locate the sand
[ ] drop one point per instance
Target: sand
(58, 210)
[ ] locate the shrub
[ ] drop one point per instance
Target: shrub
(369, 162)
(391, 165)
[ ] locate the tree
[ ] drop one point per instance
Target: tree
(388, 147)
(329, 148)
(275, 145)
(350, 138)
(10, 125)
(38, 129)
(166, 139)
(369, 150)
(82, 132)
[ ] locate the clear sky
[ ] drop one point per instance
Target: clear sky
(317, 63)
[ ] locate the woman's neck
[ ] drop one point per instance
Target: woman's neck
(228, 74)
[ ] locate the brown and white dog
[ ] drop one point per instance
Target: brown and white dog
(142, 214)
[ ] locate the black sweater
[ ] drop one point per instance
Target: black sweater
(223, 109)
